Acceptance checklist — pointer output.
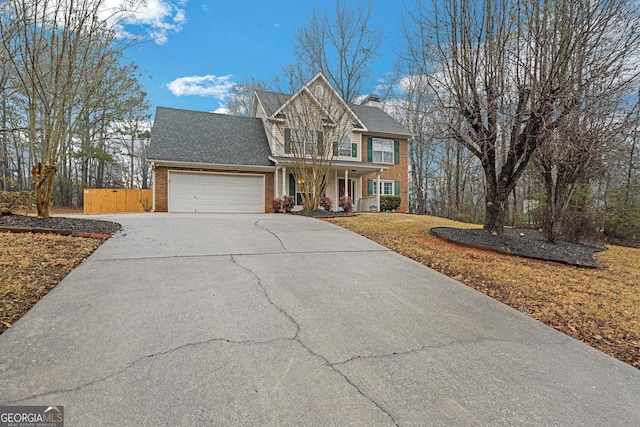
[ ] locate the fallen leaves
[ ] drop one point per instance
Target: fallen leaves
(31, 265)
(600, 307)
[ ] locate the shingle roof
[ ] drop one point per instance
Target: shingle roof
(272, 101)
(378, 121)
(199, 137)
(375, 119)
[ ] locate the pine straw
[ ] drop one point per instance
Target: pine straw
(600, 307)
(33, 264)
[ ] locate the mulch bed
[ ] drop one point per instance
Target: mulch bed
(59, 225)
(523, 242)
(321, 213)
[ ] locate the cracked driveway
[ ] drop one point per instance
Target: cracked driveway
(280, 320)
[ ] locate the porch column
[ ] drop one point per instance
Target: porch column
(346, 182)
(378, 190)
(359, 191)
(347, 187)
(284, 181)
(275, 184)
(336, 195)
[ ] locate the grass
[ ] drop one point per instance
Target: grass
(33, 264)
(600, 307)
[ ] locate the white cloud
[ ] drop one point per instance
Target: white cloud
(159, 18)
(221, 110)
(209, 85)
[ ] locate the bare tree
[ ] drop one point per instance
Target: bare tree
(341, 47)
(308, 131)
(572, 155)
(417, 115)
(61, 50)
(240, 101)
(510, 71)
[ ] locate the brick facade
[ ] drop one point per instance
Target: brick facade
(161, 187)
(399, 172)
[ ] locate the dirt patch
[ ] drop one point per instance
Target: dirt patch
(31, 264)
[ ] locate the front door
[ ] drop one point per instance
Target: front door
(351, 188)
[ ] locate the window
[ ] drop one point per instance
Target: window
(387, 188)
(295, 185)
(382, 150)
(344, 149)
(302, 141)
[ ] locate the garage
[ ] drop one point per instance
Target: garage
(216, 192)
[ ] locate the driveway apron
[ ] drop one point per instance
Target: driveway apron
(221, 319)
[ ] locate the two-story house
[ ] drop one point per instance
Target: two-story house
(206, 162)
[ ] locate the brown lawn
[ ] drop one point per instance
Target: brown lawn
(33, 264)
(598, 306)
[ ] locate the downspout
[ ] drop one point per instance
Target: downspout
(284, 176)
(275, 178)
(153, 185)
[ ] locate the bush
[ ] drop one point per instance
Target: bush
(326, 203)
(277, 205)
(346, 204)
(389, 203)
(288, 202)
(10, 201)
(577, 226)
(621, 222)
(284, 204)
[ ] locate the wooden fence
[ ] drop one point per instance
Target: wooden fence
(105, 200)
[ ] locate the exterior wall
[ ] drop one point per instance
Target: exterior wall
(160, 190)
(399, 172)
(267, 127)
(332, 190)
(161, 186)
(355, 138)
(302, 107)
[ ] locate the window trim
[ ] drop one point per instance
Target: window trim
(345, 145)
(312, 140)
(382, 185)
(388, 147)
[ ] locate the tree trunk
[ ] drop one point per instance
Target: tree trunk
(43, 179)
(495, 212)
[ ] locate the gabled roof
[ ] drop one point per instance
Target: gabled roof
(374, 119)
(305, 89)
(271, 101)
(378, 121)
(199, 137)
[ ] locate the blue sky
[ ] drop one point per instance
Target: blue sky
(203, 47)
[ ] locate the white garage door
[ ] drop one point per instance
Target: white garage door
(207, 192)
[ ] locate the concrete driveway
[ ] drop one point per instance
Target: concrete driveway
(277, 320)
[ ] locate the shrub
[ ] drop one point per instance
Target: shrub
(288, 202)
(346, 204)
(326, 203)
(577, 226)
(389, 203)
(10, 201)
(277, 205)
(620, 221)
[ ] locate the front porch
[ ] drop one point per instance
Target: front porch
(345, 178)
